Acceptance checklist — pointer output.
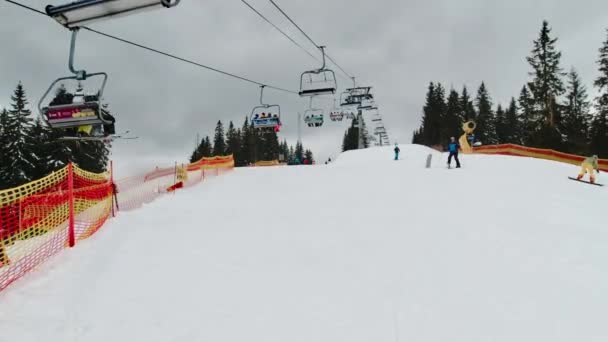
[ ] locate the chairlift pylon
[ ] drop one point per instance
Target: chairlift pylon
(264, 117)
(318, 82)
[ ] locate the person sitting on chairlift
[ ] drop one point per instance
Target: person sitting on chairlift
(64, 98)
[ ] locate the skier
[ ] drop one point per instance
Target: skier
(397, 150)
(588, 165)
(453, 148)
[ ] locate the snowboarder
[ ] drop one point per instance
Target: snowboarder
(397, 150)
(588, 165)
(453, 148)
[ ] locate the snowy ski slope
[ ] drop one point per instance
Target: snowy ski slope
(365, 249)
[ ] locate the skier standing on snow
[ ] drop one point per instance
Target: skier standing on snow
(453, 148)
(397, 150)
(588, 165)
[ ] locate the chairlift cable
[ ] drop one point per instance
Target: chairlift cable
(307, 36)
(166, 54)
(281, 31)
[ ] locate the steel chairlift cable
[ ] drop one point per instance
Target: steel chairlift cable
(281, 31)
(307, 36)
(163, 53)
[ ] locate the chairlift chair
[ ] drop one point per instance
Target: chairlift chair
(336, 113)
(73, 15)
(318, 82)
(265, 116)
(87, 112)
(356, 96)
(79, 13)
(336, 116)
(313, 117)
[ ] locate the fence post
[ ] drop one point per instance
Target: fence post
(113, 188)
(20, 209)
(71, 231)
(175, 178)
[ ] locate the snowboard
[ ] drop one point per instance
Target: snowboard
(586, 182)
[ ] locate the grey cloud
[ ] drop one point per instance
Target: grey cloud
(396, 46)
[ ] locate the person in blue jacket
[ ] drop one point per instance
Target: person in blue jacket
(397, 150)
(471, 139)
(453, 148)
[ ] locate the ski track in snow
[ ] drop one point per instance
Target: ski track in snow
(365, 249)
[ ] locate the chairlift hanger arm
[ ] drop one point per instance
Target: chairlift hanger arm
(82, 12)
(80, 74)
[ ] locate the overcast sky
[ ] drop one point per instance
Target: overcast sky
(395, 46)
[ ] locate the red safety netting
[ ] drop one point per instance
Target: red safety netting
(41, 218)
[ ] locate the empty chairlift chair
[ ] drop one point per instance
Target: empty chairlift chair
(356, 97)
(318, 82)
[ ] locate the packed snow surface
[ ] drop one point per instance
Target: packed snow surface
(364, 249)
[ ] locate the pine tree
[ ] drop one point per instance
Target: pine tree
(486, 125)
(246, 152)
(366, 137)
(433, 112)
(299, 153)
(4, 153)
(527, 117)
(91, 156)
(19, 149)
(466, 106)
(41, 140)
(501, 125)
(599, 126)
(219, 143)
(576, 116)
(292, 155)
(416, 138)
(351, 138)
(546, 86)
(511, 128)
(268, 146)
(233, 143)
(206, 148)
(309, 156)
(452, 120)
(284, 151)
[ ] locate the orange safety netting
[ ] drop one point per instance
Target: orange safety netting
(35, 217)
(264, 163)
(41, 218)
(134, 192)
(522, 151)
